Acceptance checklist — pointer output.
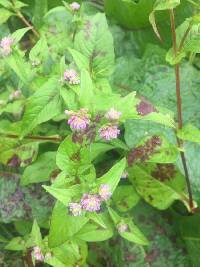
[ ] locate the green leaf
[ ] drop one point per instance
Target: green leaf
(70, 156)
(40, 51)
(113, 176)
(158, 194)
(133, 234)
(53, 261)
(42, 106)
(40, 10)
(36, 236)
(5, 3)
(125, 10)
(40, 170)
(161, 5)
(99, 229)
(87, 91)
(63, 195)
(63, 226)
(96, 149)
(189, 133)
(16, 244)
(95, 42)
(125, 197)
(19, 34)
(81, 61)
(4, 15)
(18, 64)
(19, 4)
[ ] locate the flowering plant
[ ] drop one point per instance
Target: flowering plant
(66, 127)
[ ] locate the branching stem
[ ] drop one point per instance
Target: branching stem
(179, 103)
(39, 138)
(21, 16)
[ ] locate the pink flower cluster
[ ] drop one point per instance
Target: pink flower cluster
(104, 192)
(78, 121)
(15, 95)
(122, 227)
(75, 209)
(113, 115)
(37, 254)
(91, 202)
(71, 76)
(5, 45)
(75, 6)
(109, 131)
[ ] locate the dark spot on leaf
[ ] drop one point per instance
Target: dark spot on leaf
(144, 108)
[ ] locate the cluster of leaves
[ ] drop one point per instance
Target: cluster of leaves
(69, 58)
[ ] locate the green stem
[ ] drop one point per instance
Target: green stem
(31, 137)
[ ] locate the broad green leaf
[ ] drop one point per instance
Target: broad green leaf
(189, 133)
(40, 170)
(63, 226)
(133, 234)
(23, 227)
(81, 61)
(36, 236)
(4, 15)
(53, 261)
(40, 10)
(18, 64)
(5, 3)
(12, 147)
(63, 195)
(18, 34)
(113, 176)
(16, 244)
(161, 5)
(125, 197)
(95, 42)
(19, 4)
(70, 156)
(125, 10)
(155, 192)
(87, 89)
(71, 252)
(92, 232)
(96, 149)
(42, 106)
(40, 51)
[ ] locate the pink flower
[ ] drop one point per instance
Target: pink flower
(109, 132)
(37, 254)
(48, 255)
(75, 209)
(104, 191)
(122, 227)
(15, 95)
(91, 202)
(5, 45)
(78, 120)
(71, 76)
(113, 114)
(75, 6)
(124, 175)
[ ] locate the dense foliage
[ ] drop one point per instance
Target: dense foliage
(99, 133)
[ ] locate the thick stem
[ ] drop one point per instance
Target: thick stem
(30, 137)
(20, 15)
(179, 105)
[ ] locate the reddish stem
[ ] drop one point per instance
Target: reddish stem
(179, 105)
